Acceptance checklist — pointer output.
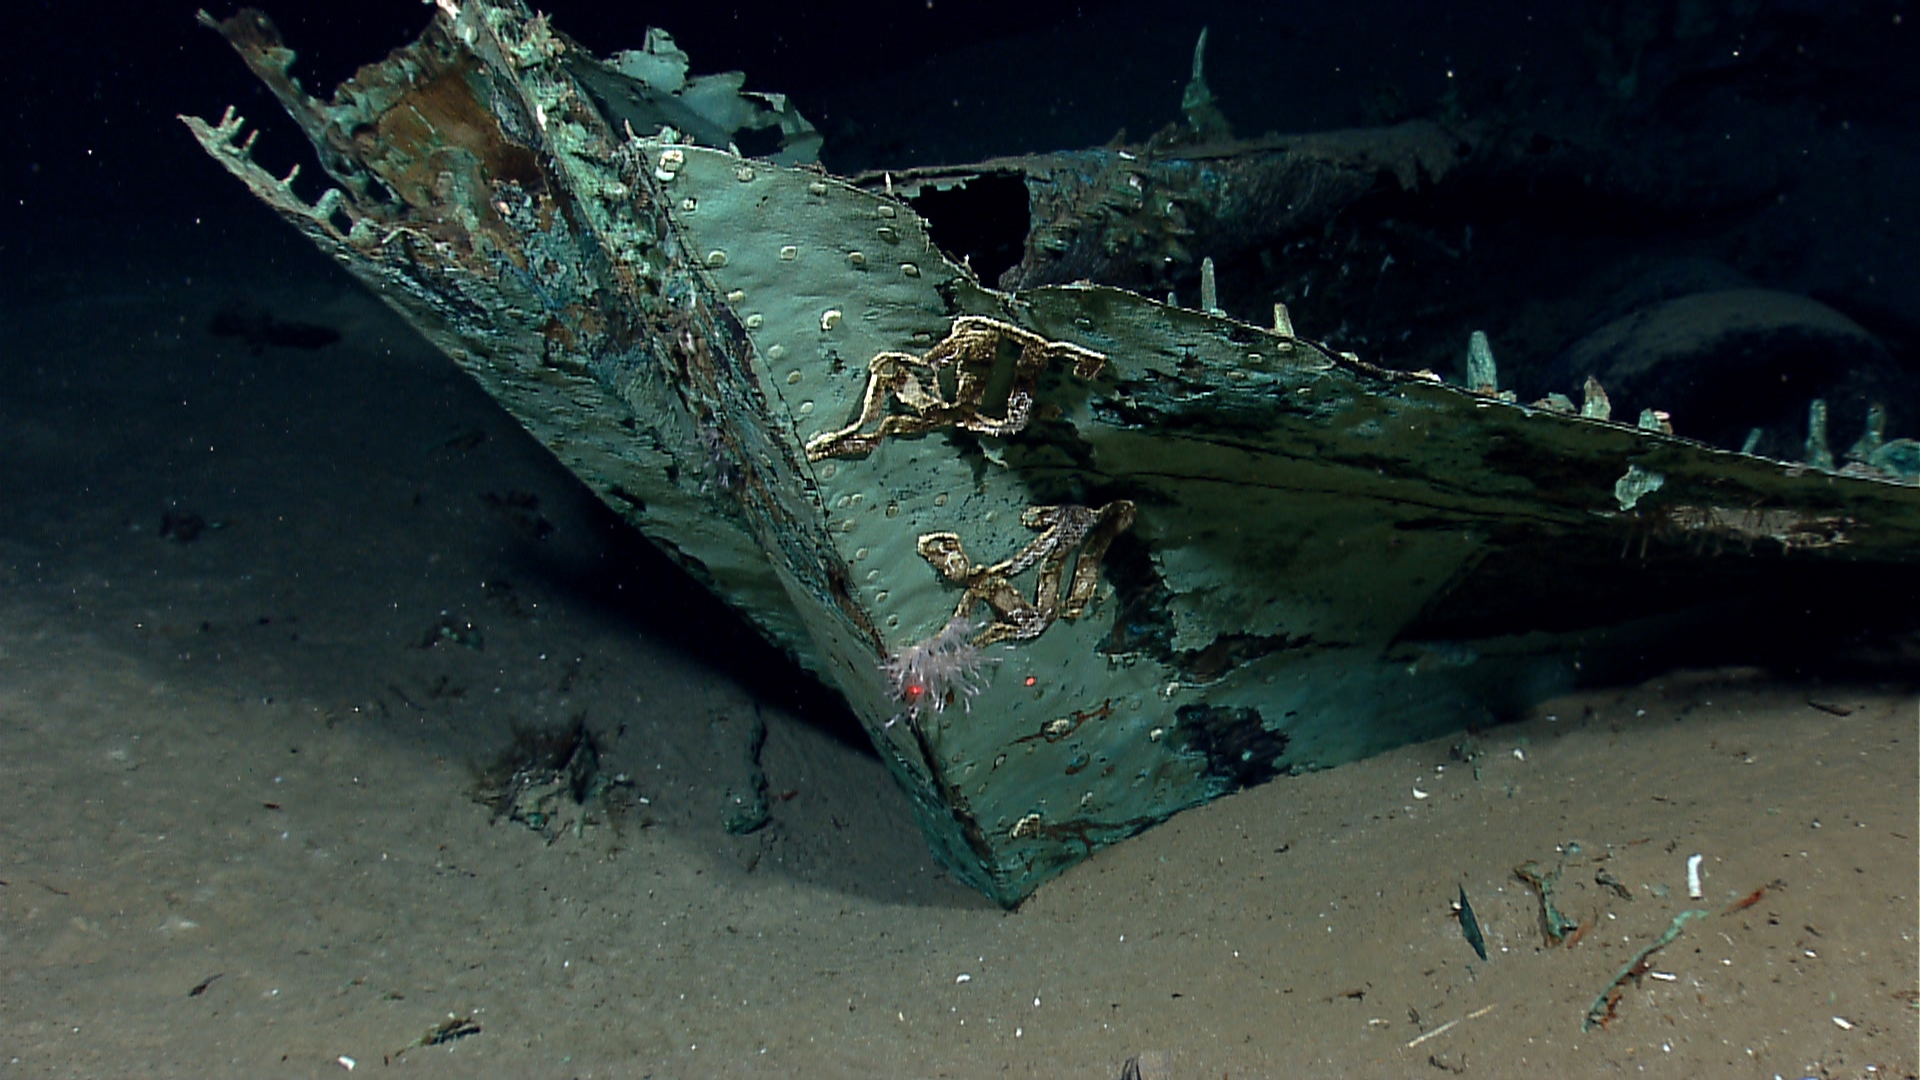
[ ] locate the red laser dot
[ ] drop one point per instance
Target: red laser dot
(1031, 680)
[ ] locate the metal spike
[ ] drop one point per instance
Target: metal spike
(1873, 437)
(1817, 454)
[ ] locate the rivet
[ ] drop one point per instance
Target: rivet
(689, 204)
(743, 173)
(873, 575)
(806, 408)
(829, 319)
(816, 188)
(789, 253)
(880, 597)
(893, 622)
(846, 526)
(859, 554)
(672, 158)
(734, 296)
(827, 470)
(893, 508)
(755, 320)
(856, 498)
(887, 233)
(885, 210)
(940, 499)
(776, 351)
(910, 269)
(716, 258)
(856, 259)
(793, 378)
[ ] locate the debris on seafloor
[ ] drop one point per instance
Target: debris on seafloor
(1204, 552)
(1148, 1065)
(550, 781)
(455, 629)
(745, 807)
(452, 1028)
(1601, 1012)
(521, 511)
(1605, 1006)
(1605, 879)
(1543, 880)
(184, 526)
(1449, 1026)
(1470, 926)
(259, 328)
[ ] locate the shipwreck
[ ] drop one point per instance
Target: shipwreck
(1077, 554)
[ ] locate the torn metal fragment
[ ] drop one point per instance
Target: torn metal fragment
(1470, 926)
(1482, 376)
(1595, 405)
(1197, 101)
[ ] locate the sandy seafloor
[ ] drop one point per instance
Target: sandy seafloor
(238, 832)
(239, 837)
